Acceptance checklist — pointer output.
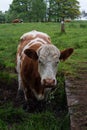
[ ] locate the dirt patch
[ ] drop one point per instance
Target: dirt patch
(8, 92)
(76, 89)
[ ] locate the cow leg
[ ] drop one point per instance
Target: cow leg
(30, 101)
(26, 105)
(20, 86)
(20, 93)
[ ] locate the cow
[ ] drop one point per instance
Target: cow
(67, 20)
(37, 63)
(17, 21)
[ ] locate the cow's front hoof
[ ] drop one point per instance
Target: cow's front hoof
(20, 94)
(26, 107)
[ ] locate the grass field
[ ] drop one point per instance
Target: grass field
(76, 36)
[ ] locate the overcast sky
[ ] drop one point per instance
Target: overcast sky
(4, 5)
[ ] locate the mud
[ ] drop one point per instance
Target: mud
(76, 89)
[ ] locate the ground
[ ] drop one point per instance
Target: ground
(76, 90)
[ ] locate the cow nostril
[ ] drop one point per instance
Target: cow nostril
(49, 81)
(53, 80)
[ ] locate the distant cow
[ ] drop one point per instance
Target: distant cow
(67, 20)
(37, 62)
(17, 21)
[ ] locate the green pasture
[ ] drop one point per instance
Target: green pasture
(75, 37)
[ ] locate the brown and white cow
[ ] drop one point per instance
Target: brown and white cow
(37, 64)
(17, 21)
(67, 20)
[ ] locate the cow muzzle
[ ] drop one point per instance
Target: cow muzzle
(49, 82)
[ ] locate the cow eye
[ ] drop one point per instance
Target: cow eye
(40, 62)
(56, 62)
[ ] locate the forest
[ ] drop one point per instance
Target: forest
(41, 10)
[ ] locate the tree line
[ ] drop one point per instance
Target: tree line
(41, 10)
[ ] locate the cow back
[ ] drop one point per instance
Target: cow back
(32, 40)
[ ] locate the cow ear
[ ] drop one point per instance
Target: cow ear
(66, 53)
(31, 54)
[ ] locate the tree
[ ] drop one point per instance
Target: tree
(20, 9)
(43, 10)
(51, 10)
(2, 17)
(28, 10)
(38, 10)
(67, 9)
(61, 9)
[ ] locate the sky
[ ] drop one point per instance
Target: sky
(4, 5)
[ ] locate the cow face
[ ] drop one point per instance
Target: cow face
(48, 57)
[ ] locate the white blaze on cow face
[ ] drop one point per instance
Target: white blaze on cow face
(47, 64)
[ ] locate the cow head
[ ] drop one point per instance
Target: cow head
(48, 57)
